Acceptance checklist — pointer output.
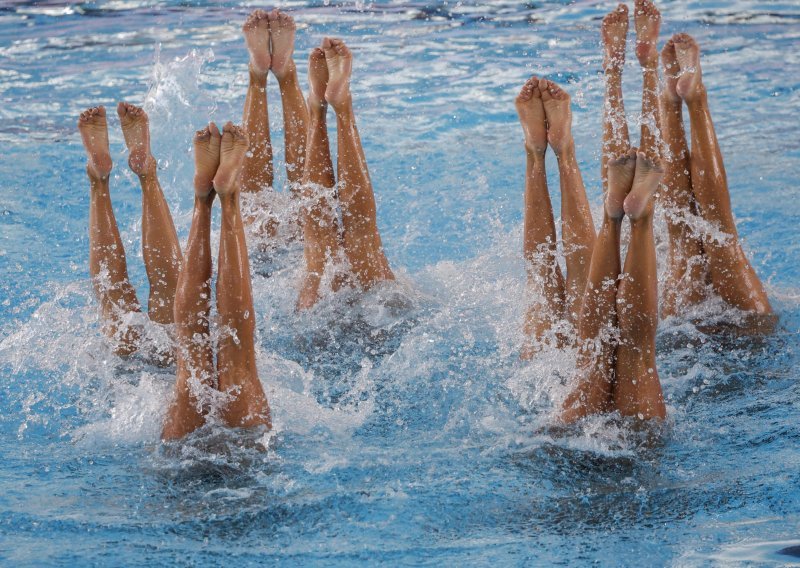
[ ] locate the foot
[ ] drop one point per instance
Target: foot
(256, 37)
(639, 202)
(531, 115)
(621, 172)
(281, 31)
(671, 70)
(559, 116)
(614, 31)
(136, 130)
(340, 65)
(690, 82)
(647, 20)
(206, 159)
(94, 133)
(233, 147)
(317, 79)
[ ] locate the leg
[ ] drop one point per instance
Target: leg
(597, 330)
(647, 20)
(362, 242)
(545, 281)
(637, 391)
(320, 225)
(577, 226)
(107, 264)
(160, 248)
(195, 354)
(615, 124)
(687, 262)
(732, 275)
(236, 357)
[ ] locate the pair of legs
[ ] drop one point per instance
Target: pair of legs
(269, 37)
(617, 330)
(546, 117)
(232, 387)
(696, 183)
(160, 248)
(329, 70)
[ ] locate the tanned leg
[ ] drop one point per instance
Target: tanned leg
(107, 264)
(160, 247)
(732, 276)
(598, 323)
(361, 240)
(320, 225)
(539, 242)
(616, 141)
(195, 353)
(236, 357)
(687, 263)
(577, 226)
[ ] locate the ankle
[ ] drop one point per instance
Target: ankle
(258, 78)
(535, 153)
(287, 75)
(565, 150)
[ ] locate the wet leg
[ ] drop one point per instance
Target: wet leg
(195, 356)
(616, 141)
(236, 358)
(107, 264)
(577, 226)
(160, 248)
(361, 239)
(545, 281)
(732, 276)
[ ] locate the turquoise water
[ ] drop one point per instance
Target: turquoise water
(401, 436)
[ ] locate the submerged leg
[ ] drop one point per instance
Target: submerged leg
(236, 357)
(320, 224)
(577, 226)
(193, 300)
(732, 275)
(160, 247)
(107, 264)
(545, 281)
(637, 391)
(687, 263)
(616, 140)
(361, 239)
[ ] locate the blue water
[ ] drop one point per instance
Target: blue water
(403, 436)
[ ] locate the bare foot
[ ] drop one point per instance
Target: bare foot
(206, 159)
(645, 182)
(256, 37)
(281, 30)
(231, 155)
(614, 31)
(531, 115)
(340, 65)
(690, 81)
(136, 130)
(671, 70)
(621, 171)
(559, 116)
(94, 133)
(317, 79)
(647, 20)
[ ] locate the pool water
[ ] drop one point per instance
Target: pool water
(408, 435)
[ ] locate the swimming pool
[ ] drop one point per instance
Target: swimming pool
(405, 437)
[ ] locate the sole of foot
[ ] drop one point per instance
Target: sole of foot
(647, 21)
(532, 117)
(614, 31)
(639, 202)
(621, 171)
(317, 79)
(136, 131)
(558, 111)
(282, 32)
(206, 159)
(339, 60)
(93, 126)
(690, 81)
(233, 147)
(256, 37)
